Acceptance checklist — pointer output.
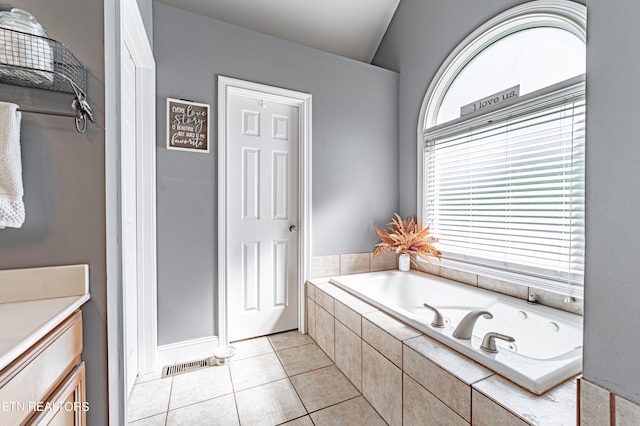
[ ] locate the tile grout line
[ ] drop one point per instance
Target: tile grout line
(277, 380)
(315, 369)
(402, 374)
(445, 371)
(337, 403)
(154, 414)
(199, 401)
(364, 342)
(360, 392)
(292, 385)
(166, 415)
(362, 319)
(361, 362)
(233, 392)
(290, 382)
(378, 350)
(297, 418)
(192, 404)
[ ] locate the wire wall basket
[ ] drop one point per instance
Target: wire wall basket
(33, 61)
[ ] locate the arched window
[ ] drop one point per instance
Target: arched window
(534, 58)
(502, 170)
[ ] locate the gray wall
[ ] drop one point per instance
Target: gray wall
(421, 36)
(419, 39)
(63, 174)
(355, 163)
(146, 11)
(612, 288)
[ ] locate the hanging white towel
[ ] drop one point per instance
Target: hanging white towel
(11, 190)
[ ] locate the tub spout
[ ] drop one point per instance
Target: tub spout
(489, 341)
(465, 328)
(437, 322)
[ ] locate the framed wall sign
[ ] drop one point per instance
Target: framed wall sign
(187, 125)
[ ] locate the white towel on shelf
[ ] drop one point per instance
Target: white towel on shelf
(11, 190)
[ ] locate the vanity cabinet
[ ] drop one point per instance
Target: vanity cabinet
(46, 384)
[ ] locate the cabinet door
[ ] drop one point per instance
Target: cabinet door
(68, 403)
(35, 375)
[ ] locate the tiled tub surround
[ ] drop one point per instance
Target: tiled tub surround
(354, 263)
(599, 407)
(548, 342)
(412, 379)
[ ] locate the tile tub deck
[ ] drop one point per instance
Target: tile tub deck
(410, 378)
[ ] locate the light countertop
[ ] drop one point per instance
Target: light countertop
(34, 301)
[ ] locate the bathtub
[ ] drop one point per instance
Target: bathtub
(548, 342)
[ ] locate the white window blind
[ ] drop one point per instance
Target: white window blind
(509, 194)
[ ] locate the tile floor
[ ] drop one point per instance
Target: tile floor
(272, 380)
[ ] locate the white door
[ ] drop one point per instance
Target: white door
(262, 214)
(129, 194)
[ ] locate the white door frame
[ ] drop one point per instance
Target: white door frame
(227, 86)
(135, 37)
(129, 30)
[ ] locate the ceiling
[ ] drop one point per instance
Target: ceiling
(350, 28)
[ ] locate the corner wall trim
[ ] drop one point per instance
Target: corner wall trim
(187, 350)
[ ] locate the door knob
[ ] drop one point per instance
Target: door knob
(293, 229)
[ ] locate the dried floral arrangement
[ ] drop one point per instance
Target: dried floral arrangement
(404, 237)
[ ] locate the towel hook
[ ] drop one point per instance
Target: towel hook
(81, 107)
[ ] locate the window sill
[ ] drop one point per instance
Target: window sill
(545, 292)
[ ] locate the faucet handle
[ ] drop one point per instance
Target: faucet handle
(489, 341)
(437, 322)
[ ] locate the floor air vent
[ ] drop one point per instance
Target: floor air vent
(185, 367)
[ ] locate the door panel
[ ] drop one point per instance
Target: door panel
(262, 187)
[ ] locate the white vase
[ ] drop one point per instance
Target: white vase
(404, 262)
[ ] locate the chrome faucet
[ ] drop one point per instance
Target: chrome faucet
(464, 329)
(437, 317)
(489, 341)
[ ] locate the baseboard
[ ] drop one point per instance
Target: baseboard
(188, 350)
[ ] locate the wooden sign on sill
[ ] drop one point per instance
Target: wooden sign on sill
(188, 125)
